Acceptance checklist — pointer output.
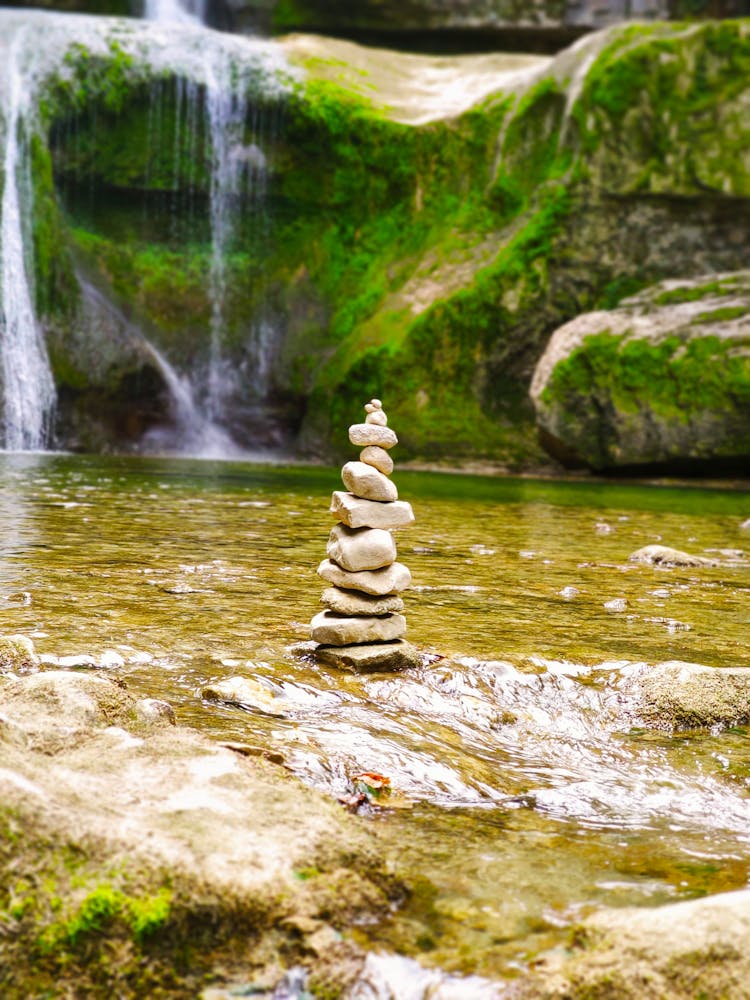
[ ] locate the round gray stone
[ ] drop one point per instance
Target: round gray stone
(379, 459)
(366, 482)
(356, 549)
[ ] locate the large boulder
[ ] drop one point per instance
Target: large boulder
(139, 859)
(664, 378)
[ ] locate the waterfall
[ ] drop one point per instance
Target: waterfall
(175, 12)
(28, 390)
(213, 74)
(191, 433)
(236, 170)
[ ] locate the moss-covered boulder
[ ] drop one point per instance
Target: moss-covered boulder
(663, 379)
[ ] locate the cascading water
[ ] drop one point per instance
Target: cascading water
(28, 390)
(237, 170)
(175, 12)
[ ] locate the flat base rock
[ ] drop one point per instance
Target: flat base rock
(370, 658)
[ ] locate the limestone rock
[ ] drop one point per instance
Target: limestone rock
(377, 417)
(153, 710)
(390, 580)
(349, 602)
(366, 482)
(677, 695)
(379, 459)
(371, 434)
(17, 654)
(337, 630)
(374, 658)
(245, 691)
(361, 548)
(661, 379)
(663, 555)
(356, 512)
(684, 950)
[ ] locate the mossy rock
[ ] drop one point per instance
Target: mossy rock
(421, 255)
(663, 379)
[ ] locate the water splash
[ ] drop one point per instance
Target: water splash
(28, 389)
(190, 432)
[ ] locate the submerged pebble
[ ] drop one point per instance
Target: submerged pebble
(616, 605)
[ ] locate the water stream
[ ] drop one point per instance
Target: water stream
(28, 391)
(523, 794)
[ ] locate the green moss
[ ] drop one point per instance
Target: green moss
(673, 378)
(142, 915)
(721, 315)
(689, 293)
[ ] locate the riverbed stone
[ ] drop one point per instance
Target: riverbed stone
(366, 482)
(379, 459)
(680, 951)
(663, 555)
(371, 434)
(357, 512)
(387, 657)
(355, 549)
(337, 630)
(350, 602)
(678, 695)
(389, 580)
(17, 654)
(247, 692)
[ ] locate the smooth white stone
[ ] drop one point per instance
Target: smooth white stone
(376, 403)
(378, 458)
(364, 434)
(349, 602)
(377, 417)
(335, 630)
(367, 483)
(389, 580)
(358, 513)
(361, 548)
(369, 408)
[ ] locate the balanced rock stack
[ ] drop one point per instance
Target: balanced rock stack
(362, 627)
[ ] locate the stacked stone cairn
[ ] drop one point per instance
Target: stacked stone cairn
(362, 627)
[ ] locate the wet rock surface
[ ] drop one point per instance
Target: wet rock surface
(159, 817)
(663, 555)
(677, 952)
(676, 695)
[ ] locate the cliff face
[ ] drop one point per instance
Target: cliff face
(417, 248)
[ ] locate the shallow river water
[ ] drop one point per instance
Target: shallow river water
(521, 794)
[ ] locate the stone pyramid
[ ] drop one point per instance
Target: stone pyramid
(362, 627)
